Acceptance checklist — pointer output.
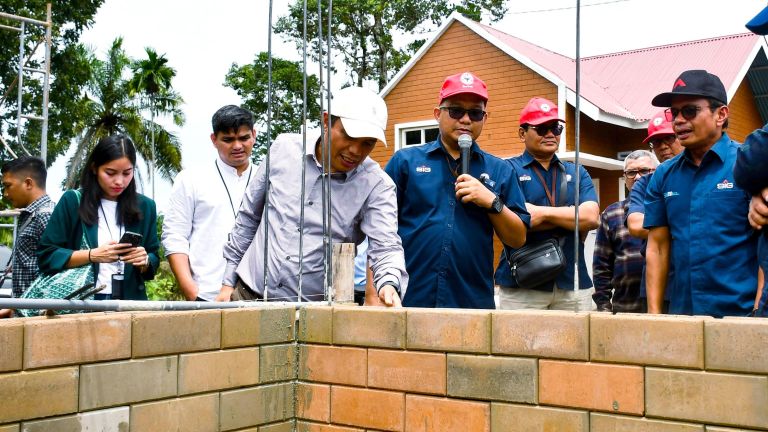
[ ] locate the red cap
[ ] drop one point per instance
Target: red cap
(658, 125)
(539, 110)
(465, 82)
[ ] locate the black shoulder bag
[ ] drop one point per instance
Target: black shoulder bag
(539, 264)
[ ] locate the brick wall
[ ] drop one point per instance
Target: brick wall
(348, 369)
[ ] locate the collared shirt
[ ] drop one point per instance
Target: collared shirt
(200, 215)
(448, 245)
(618, 263)
(637, 205)
(713, 245)
(535, 194)
(31, 223)
(363, 203)
(751, 174)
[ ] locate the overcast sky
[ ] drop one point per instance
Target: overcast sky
(202, 39)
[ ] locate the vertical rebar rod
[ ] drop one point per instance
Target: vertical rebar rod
(265, 218)
(20, 82)
(328, 232)
(322, 110)
(46, 81)
(577, 142)
(303, 154)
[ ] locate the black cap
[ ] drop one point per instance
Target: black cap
(693, 83)
(759, 24)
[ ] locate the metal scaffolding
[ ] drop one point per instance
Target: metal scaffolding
(19, 82)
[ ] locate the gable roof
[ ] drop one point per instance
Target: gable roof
(618, 87)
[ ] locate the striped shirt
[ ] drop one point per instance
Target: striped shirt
(617, 264)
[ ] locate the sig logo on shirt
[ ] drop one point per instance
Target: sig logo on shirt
(670, 194)
(423, 169)
(525, 177)
(724, 185)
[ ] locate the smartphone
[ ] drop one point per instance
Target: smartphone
(131, 237)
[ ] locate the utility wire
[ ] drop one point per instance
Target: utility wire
(566, 7)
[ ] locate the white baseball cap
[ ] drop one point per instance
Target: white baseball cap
(363, 113)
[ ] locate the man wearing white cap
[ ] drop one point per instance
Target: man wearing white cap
(363, 203)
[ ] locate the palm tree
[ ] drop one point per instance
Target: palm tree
(112, 108)
(152, 82)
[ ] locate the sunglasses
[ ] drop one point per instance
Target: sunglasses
(689, 112)
(668, 140)
(630, 174)
(457, 113)
(542, 130)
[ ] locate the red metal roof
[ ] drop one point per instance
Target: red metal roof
(624, 83)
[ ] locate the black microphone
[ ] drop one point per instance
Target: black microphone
(465, 143)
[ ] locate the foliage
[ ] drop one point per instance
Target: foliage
(111, 107)
(164, 285)
(361, 30)
(69, 73)
(251, 84)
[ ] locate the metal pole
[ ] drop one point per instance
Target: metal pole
(303, 153)
(23, 19)
(44, 132)
(327, 157)
(152, 144)
(323, 139)
(266, 161)
(134, 305)
(576, 234)
(20, 83)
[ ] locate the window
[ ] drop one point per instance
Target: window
(416, 133)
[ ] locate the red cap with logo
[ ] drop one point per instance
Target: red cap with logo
(465, 82)
(658, 125)
(539, 110)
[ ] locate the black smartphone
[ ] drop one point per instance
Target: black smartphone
(131, 237)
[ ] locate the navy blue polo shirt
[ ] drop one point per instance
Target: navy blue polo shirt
(448, 245)
(535, 194)
(713, 246)
(751, 174)
(637, 205)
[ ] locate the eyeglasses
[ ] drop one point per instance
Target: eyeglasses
(630, 174)
(667, 139)
(542, 130)
(458, 113)
(689, 112)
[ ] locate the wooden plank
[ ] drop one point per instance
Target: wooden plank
(343, 273)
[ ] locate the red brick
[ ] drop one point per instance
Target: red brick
(415, 372)
(429, 414)
(374, 409)
(313, 402)
(452, 330)
(338, 365)
(315, 427)
(601, 387)
(369, 327)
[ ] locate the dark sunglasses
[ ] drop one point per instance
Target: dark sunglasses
(542, 130)
(689, 112)
(633, 173)
(457, 113)
(668, 140)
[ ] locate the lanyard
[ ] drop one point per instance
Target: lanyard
(550, 195)
(120, 263)
(106, 222)
(231, 204)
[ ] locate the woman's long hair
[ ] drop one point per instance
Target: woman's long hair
(108, 149)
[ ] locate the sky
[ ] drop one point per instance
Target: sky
(202, 39)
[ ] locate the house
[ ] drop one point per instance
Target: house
(616, 90)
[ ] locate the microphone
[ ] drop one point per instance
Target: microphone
(465, 142)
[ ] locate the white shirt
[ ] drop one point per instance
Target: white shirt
(199, 218)
(108, 230)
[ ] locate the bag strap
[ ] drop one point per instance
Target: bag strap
(563, 195)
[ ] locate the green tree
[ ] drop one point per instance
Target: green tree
(111, 108)
(152, 82)
(251, 83)
(361, 31)
(69, 73)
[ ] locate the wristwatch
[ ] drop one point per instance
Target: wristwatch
(496, 206)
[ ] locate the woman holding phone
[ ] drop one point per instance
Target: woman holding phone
(120, 225)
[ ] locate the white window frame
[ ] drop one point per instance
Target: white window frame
(401, 128)
(622, 187)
